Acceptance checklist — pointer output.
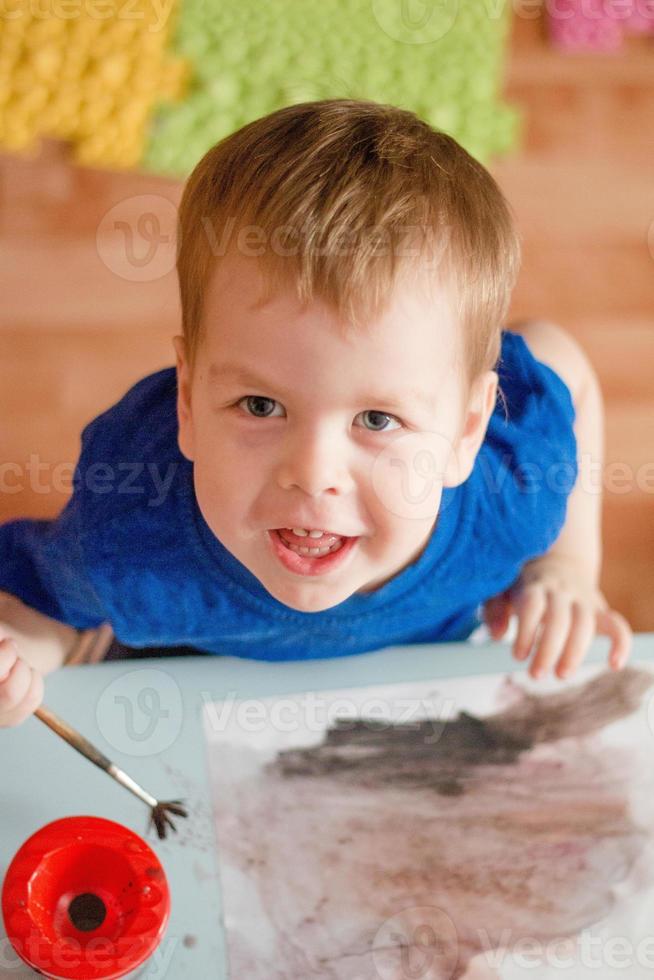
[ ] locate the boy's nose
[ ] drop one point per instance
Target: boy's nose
(316, 464)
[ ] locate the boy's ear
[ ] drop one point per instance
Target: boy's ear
(481, 403)
(184, 418)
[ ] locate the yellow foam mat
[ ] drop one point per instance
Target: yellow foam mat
(88, 71)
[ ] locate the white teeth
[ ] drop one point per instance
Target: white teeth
(302, 532)
(313, 552)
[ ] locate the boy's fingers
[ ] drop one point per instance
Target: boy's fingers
(555, 630)
(497, 613)
(8, 656)
(15, 685)
(28, 705)
(613, 624)
(21, 686)
(531, 605)
(581, 635)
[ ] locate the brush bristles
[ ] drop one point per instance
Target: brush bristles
(159, 816)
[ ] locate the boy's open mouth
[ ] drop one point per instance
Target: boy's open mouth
(311, 545)
(325, 554)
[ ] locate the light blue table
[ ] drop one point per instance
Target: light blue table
(146, 715)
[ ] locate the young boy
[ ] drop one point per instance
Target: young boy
(329, 468)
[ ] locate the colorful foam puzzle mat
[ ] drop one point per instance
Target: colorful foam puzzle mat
(88, 73)
(152, 84)
(598, 25)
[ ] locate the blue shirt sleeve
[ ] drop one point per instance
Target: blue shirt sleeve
(528, 461)
(43, 562)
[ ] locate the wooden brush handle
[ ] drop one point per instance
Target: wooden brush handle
(73, 737)
(90, 752)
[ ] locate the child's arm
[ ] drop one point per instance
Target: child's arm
(21, 686)
(560, 588)
(43, 642)
(31, 645)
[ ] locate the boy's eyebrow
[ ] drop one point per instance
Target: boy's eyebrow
(238, 374)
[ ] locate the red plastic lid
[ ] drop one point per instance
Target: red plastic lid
(85, 898)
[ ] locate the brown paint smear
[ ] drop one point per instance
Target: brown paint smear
(401, 852)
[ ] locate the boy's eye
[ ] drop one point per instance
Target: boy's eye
(258, 405)
(261, 407)
(381, 416)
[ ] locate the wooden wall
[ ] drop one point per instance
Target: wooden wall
(583, 190)
(74, 335)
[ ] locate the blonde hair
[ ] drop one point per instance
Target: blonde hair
(300, 178)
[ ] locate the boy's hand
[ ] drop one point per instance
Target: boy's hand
(21, 686)
(553, 592)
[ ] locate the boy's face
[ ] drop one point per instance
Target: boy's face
(290, 424)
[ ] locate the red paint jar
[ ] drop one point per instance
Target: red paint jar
(85, 898)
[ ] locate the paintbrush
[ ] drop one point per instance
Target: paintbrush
(159, 810)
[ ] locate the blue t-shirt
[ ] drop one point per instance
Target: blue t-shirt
(132, 548)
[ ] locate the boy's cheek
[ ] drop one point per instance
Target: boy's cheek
(407, 476)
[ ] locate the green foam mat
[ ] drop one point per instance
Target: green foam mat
(443, 60)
